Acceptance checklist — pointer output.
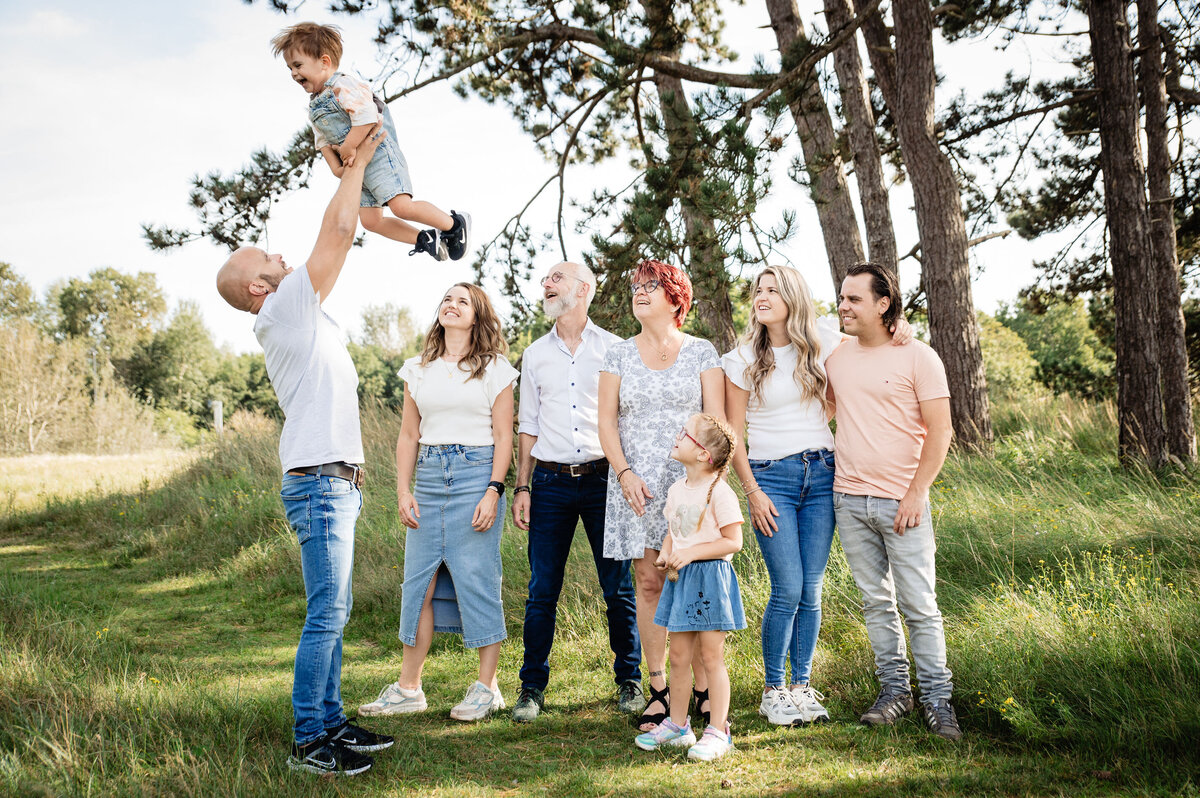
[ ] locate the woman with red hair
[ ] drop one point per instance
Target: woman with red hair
(650, 385)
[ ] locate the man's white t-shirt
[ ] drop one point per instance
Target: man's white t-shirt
(312, 374)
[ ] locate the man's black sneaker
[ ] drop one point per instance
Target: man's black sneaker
(630, 699)
(458, 238)
(942, 720)
(356, 738)
(528, 705)
(888, 708)
(327, 758)
(430, 242)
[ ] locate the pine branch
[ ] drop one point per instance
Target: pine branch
(801, 70)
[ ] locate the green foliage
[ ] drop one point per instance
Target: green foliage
(175, 369)
(1007, 362)
(16, 296)
(234, 210)
(1071, 358)
(114, 312)
(173, 601)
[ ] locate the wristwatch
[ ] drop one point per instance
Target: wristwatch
(496, 486)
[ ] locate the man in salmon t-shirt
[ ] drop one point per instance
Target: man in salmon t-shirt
(893, 432)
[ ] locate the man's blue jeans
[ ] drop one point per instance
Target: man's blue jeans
(557, 504)
(801, 488)
(896, 571)
(322, 511)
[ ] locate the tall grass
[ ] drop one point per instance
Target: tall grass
(147, 630)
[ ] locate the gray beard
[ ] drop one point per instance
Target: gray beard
(559, 305)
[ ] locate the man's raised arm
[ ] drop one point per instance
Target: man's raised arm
(340, 222)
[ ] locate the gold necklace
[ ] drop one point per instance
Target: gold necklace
(662, 353)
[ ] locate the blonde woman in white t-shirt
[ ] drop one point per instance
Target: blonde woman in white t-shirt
(776, 390)
(456, 433)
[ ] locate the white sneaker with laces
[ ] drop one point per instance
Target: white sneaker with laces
(479, 702)
(395, 700)
(808, 705)
(778, 707)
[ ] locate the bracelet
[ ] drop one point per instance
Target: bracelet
(621, 473)
(755, 489)
(521, 489)
(496, 486)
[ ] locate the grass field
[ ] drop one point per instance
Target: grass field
(150, 607)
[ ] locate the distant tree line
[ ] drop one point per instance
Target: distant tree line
(98, 365)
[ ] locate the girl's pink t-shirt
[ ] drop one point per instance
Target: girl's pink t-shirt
(683, 511)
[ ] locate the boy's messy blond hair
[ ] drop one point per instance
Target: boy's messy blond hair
(310, 38)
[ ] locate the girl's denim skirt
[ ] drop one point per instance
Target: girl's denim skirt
(706, 598)
(450, 481)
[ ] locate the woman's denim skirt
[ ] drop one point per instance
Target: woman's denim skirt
(450, 481)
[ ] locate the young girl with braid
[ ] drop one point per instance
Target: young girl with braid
(701, 601)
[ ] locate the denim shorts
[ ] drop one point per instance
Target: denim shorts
(387, 173)
(450, 481)
(706, 598)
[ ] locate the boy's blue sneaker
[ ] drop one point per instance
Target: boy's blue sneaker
(666, 733)
(430, 242)
(457, 239)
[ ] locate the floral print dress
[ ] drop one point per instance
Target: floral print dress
(652, 407)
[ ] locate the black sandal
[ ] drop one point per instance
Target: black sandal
(663, 697)
(700, 696)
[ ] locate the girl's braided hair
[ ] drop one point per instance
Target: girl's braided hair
(719, 440)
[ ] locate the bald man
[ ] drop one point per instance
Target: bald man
(320, 451)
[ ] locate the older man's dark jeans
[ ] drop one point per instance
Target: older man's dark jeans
(557, 504)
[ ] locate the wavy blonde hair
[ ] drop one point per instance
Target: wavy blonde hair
(801, 332)
(487, 338)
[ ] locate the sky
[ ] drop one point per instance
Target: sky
(117, 105)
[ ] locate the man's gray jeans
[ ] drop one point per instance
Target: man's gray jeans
(893, 570)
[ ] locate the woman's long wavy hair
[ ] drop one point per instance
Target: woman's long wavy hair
(487, 339)
(801, 332)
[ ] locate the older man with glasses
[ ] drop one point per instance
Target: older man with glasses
(562, 478)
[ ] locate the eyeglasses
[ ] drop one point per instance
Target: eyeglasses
(683, 433)
(556, 277)
(650, 286)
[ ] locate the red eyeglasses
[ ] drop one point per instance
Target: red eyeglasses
(683, 433)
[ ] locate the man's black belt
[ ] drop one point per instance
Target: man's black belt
(576, 469)
(347, 471)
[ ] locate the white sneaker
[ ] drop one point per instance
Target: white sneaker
(808, 705)
(779, 708)
(395, 700)
(478, 703)
(713, 745)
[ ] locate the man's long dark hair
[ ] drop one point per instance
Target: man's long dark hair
(883, 284)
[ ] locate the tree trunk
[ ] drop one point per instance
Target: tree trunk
(835, 210)
(946, 274)
(860, 128)
(1139, 398)
(706, 261)
(1172, 346)
(882, 57)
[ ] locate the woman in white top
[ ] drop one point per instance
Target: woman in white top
(457, 432)
(776, 389)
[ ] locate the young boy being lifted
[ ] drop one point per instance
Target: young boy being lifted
(342, 109)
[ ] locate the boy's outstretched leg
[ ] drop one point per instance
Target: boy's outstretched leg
(374, 221)
(423, 213)
(458, 237)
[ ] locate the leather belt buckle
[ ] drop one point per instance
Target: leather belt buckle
(571, 469)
